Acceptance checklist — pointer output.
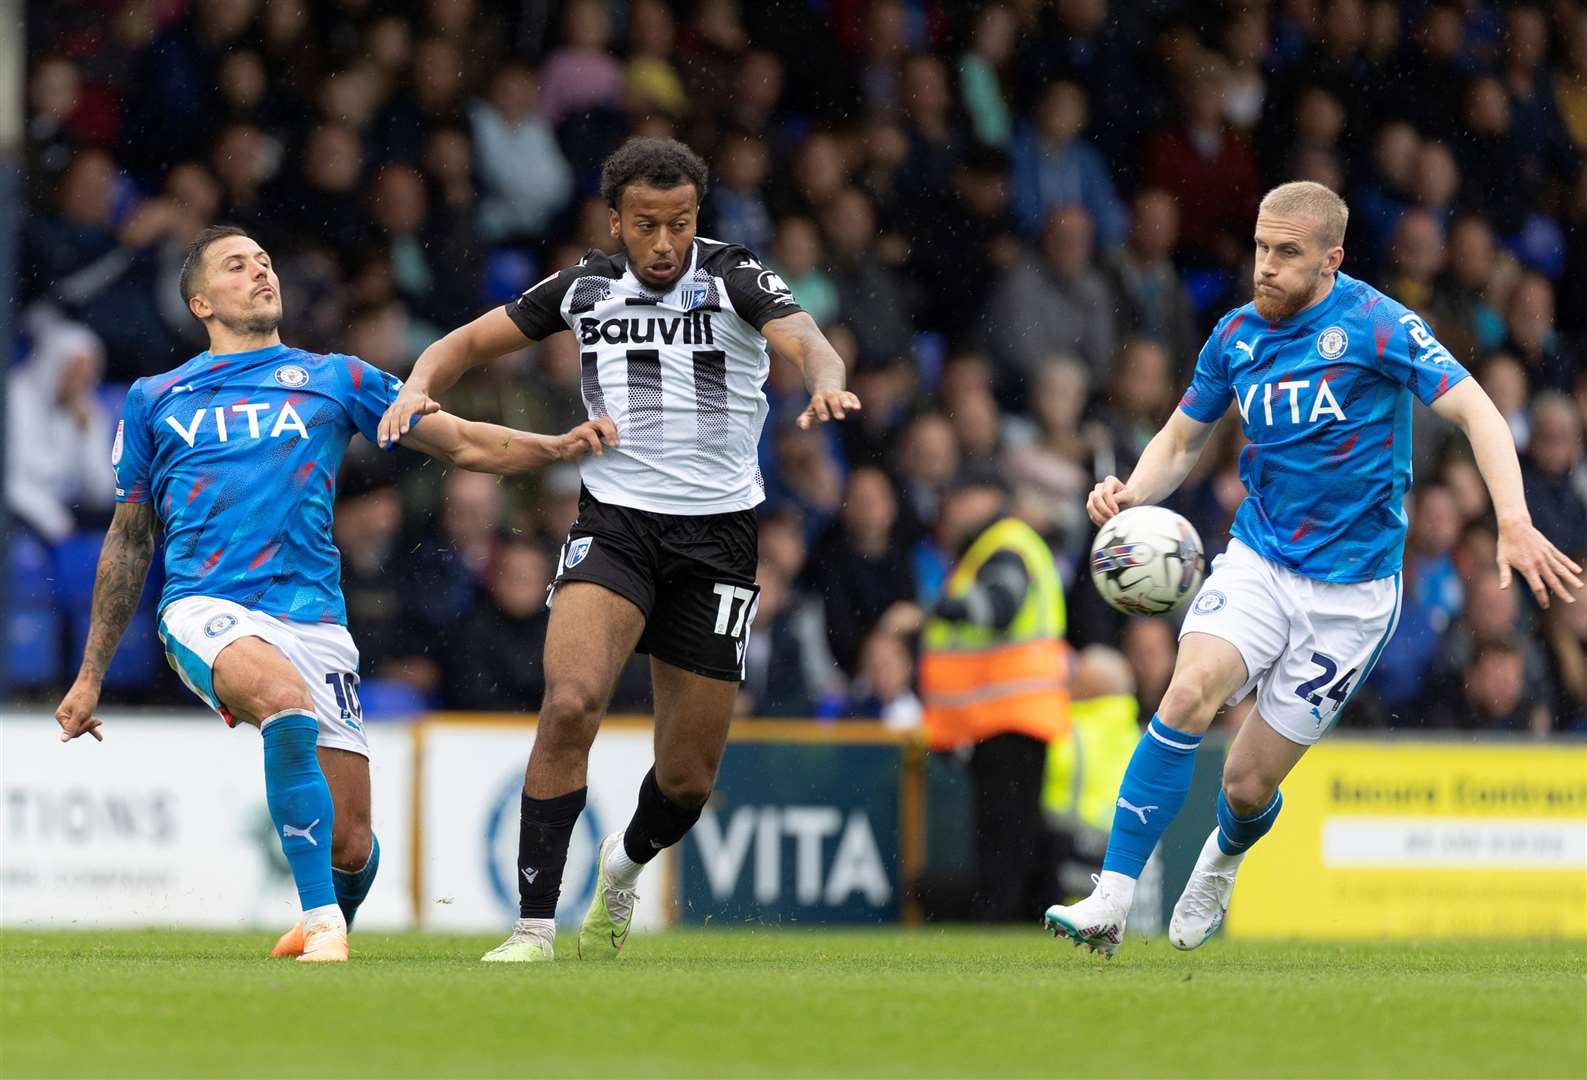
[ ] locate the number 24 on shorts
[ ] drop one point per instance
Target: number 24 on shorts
(1308, 690)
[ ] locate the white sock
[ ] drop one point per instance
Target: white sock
(544, 929)
(620, 869)
(324, 915)
(1119, 886)
(1217, 859)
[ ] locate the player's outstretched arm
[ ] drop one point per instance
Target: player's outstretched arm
(1521, 547)
(443, 363)
(118, 585)
(491, 448)
(797, 338)
(1164, 464)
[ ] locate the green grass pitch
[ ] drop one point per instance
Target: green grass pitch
(747, 1002)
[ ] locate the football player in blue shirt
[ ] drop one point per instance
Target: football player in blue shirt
(1322, 368)
(235, 454)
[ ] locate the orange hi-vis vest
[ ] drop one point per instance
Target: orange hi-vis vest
(977, 681)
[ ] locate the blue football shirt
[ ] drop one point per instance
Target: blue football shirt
(1325, 400)
(239, 455)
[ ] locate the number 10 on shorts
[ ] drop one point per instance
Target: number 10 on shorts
(727, 597)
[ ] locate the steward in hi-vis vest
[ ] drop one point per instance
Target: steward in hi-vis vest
(994, 679)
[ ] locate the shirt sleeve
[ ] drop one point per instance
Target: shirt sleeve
(758, 295)
(538, 312)
(133, 448)
(1209, 394)
(371, 392)
(1413, 357)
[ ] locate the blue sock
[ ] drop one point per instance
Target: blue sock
(300, 803)
(1153, 790)
(353, 885)
(1237, 834)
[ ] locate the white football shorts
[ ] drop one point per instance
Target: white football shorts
(195, 629)
(1308, 645)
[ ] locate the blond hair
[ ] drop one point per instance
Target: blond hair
(1308, 199)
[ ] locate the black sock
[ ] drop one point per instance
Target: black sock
(545, 826)
(658, 821)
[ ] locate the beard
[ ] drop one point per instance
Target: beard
(1276, 306)
(253, 323)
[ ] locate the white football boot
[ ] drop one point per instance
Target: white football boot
(1097, 922)
(1205, 901)
(532, 941)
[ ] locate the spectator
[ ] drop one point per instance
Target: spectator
(1152, 300)
(492, 658)
(1055, 167)
(445, 562)
(650, 79)
(1140, 397)
(738, 205)
(788, 668)
(860, 572)
(436, 264)
(798, 259)
(1497, 696)
(1565, 629)
(1499, 176)
(1054, 302)
(883, 688)
(1416, 259)
(1553, 453)
(1436, 180)
(1382, 197)
(436, 99)
(928, 459)
(1534, 339)
(1209, 169)
(978, 243)
(874, 296)
(1492, 615)
(58, 439)
(1245, 39)
(1466, 318)
(1433, 598)
(327, 206)
(525, 179)
(1149, 646)
(1504, 379)
(367, 523)
(580, 75)
(82, 258)
(1056, 459)
(935, 144)
(982, 71)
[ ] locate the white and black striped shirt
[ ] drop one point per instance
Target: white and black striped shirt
(679, 372)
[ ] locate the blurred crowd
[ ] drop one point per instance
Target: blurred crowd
(1015, 220)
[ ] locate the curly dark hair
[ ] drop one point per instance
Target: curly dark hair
(657, 163)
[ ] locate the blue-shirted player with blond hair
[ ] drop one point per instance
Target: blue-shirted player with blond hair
(235, 455)
(1322, 368)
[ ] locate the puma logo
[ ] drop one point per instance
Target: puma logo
(307, 832)
(1248, 350)
(1138, 811)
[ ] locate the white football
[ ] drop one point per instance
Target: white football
(1147, 560)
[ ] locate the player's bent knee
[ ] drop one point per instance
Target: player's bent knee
(1190, 702)
(685, 788)
(351, 843)
(1247, 792)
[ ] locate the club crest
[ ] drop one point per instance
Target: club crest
(1332, 342)
(291, 376)
(219, 625)
(577, 549)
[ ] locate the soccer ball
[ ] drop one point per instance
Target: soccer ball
(1147, 561)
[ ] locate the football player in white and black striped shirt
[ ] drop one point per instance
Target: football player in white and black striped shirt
(673, 335)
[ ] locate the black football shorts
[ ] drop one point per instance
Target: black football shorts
(693, 576)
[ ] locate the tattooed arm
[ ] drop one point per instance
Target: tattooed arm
(118, 585)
